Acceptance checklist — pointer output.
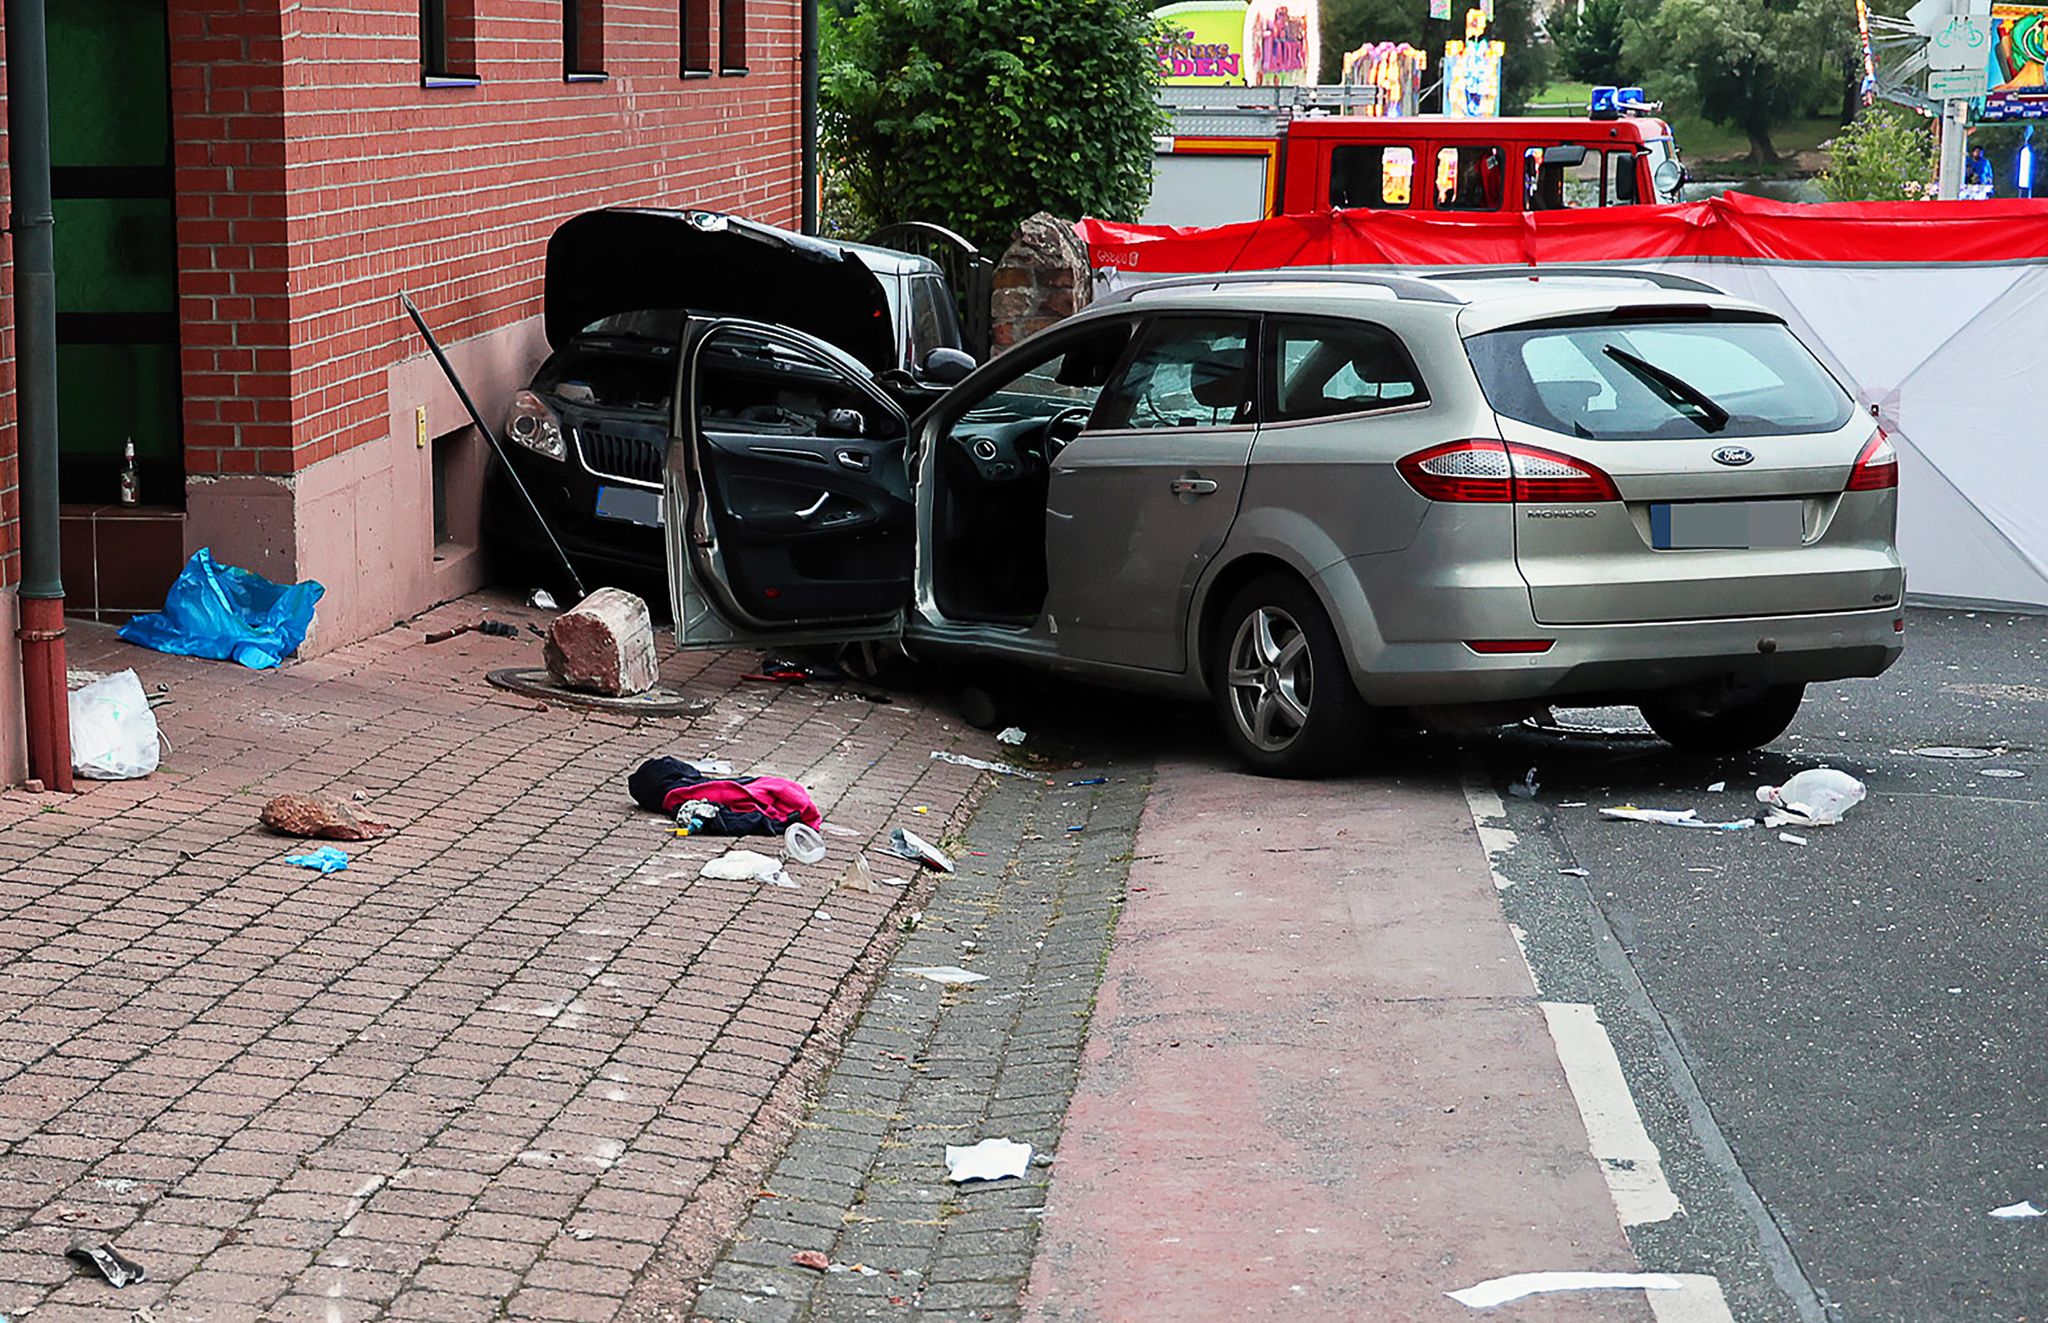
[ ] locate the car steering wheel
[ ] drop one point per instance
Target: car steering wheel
(1063, 427)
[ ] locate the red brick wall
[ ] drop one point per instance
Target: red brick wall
(450, 193)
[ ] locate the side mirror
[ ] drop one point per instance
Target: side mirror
(1668, 177)
(1565, 154)
(947, 366)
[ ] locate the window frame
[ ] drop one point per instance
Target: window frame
(1142, 337)
(1345, 150)
(582, 19)
(696, 40)
(1459, 148)
(732, 38)
(1269, 412)
(448, 43)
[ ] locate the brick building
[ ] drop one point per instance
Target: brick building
(245, 187)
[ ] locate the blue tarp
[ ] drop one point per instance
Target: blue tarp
(228, 614)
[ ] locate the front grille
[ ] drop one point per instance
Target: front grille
(621, 452)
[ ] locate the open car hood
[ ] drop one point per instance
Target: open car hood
(626, 259)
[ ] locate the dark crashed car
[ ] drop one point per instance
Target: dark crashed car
(588, 434)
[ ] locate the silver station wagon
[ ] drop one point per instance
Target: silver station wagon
(1311, 498)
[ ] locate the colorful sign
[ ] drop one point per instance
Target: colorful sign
(1395, 69)
(1206, 45)
(1472, 69)
(2017, 67)
(1282, 43)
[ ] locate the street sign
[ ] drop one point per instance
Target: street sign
(1958, 84)
(1961, 42)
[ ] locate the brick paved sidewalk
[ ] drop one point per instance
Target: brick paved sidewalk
(930, 1066)
(516, 1061)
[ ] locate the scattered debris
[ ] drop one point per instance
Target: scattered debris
(1717, 787)
(322, 817)
(108, 1262)
(223, 613)
(326, 859)
(857, 1269)
(1952, 751)
(542, 599)
(1525, 788)
(497, 629)
(1091, 781)
(2024, 1208)
(1789, 839)
(714, 766)
(947, 974)
(113, 732)
(990, 1160)
(1817, 797)
(746, 866)
(1503, 1290)
(1012, 736)
(801, 842)
(721, 805)
(1573, 872)
(981, 765)
(815, 1260)
(2003, 773)
(603, 644)
(907, 844)
(1674, 818)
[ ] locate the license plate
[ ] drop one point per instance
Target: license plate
(1727, 525)
(629, 505)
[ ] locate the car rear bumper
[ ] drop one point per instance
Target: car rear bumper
(1596, 661)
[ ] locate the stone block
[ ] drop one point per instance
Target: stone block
(604, 644)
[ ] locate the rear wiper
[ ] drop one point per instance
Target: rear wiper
(1713, 417)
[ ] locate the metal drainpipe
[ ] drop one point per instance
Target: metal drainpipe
(31, 223)
(807, 126)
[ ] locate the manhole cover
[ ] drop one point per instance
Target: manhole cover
(1951, 751)
(535, 682)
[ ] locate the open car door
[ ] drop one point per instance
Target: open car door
(786, 493)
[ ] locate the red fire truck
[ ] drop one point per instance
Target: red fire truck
(1244, 153)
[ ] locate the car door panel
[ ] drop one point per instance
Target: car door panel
(788, 503)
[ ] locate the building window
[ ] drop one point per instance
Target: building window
(696, 19)
(732, 36)
(448, 42)
(583, 38)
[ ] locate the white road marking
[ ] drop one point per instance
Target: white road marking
(1630, 1161)
(1486, 809)
(1522, 945)
(1698, 1301)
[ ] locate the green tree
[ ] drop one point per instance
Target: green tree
(1525, 65)
(1590, 42)
(1884, 155)
(977, 113)
(1752, 64)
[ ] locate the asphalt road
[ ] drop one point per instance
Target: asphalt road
(1839, 1046)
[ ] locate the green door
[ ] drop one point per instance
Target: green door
(117, 306)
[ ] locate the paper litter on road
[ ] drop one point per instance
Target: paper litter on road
(1816, 797)
(2024, 1208)
(947, 974)
(746, 866)
(908, 844)
(1674, 818)
(1789, 839)
(1717, 787)
(1012, 735)
(990, 1160)
(1502, 1290)
(981, 765)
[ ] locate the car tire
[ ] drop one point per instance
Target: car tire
(1281, 685)
(1683, 722)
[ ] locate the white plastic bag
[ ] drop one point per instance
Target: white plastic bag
(113, 732)
(1817, 797)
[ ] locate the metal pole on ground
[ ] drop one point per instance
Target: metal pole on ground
(32, 222)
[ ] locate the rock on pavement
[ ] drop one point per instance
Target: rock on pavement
(604, 644)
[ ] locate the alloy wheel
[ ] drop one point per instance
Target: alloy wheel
(1271, 679)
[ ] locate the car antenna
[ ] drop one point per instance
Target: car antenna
(461, 393)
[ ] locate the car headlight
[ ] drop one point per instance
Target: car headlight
(535, 426)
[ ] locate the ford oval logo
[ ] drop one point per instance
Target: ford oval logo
(1733, 455)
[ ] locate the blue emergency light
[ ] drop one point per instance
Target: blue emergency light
(1605, 103)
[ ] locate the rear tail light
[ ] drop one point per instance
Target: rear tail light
(1502, 471)
(1877, 467)
(1508, 647)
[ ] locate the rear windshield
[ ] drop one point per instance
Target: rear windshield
(1643, 380)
